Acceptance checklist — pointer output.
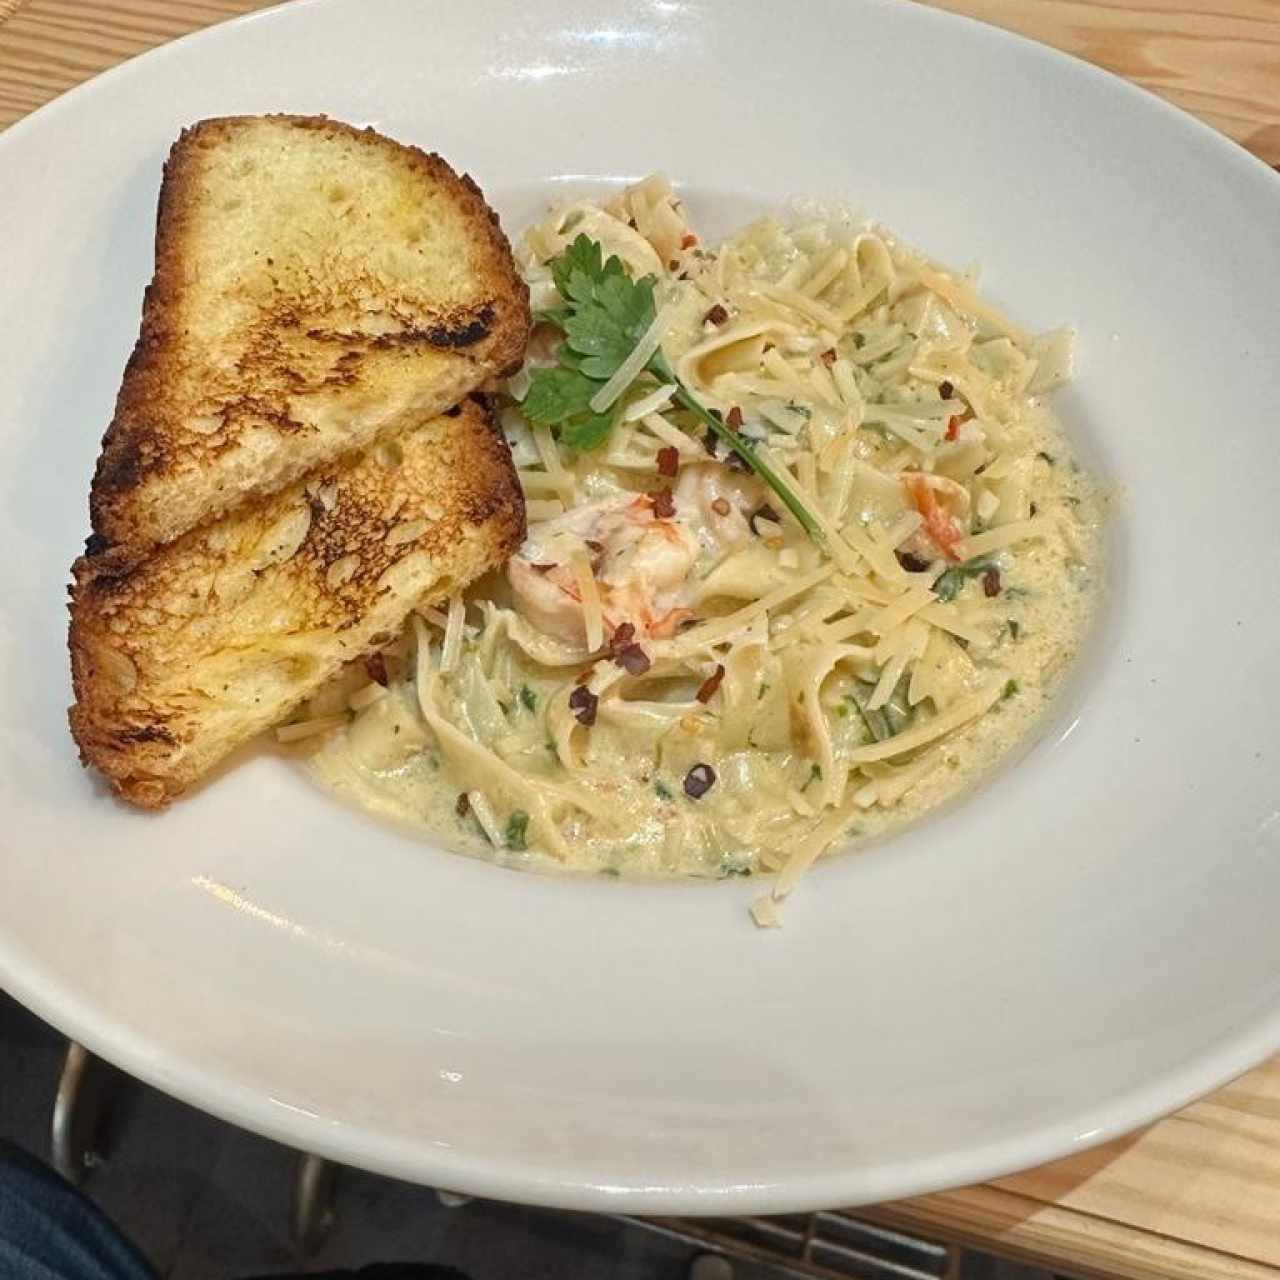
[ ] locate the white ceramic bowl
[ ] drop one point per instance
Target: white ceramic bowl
(1087, 943)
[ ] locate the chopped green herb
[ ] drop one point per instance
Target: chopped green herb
(606, 315)
(873, 721)
(663, 791)
(517, 830)
(730, 866)
(528, 699)
(949, 585)
(896, 716)
(815, 775)
(1010, 688)
(610, 871)
(1015, 628)
(764, 688)
(1047, 457)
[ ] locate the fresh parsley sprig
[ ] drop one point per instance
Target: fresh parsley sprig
(605, 314)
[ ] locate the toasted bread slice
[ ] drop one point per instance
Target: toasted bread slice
(316, 288)
(222, 633)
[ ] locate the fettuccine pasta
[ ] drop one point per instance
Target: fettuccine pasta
(673, 676)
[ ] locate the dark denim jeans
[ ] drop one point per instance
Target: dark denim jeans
(49, 1231)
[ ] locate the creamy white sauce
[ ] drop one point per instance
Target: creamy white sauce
(1049, 599)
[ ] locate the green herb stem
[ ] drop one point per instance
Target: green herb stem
(687, 400)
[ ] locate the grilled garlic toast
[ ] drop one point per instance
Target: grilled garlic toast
(222, 633)
(316, 288)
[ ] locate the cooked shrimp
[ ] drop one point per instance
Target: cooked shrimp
(723, 501)
(944, 504)
(641, 562)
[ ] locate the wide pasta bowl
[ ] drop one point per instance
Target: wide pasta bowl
(1085, 943)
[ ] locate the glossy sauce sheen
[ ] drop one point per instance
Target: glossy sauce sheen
(1050, 598)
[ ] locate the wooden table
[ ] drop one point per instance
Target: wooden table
(1197, 1196)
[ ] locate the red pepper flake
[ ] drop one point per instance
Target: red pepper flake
(708, 687)
(945, 389)
(582, 677)
(664, 505)
(376, 667)
(699, 780)
(734, 420)
(462, 806)
(633, 660)
(668, 460)
(721, 506)
(717, 315)
(583, 703)
(910, 562)
(953, 427)
(763, 512)
(688, 241)
(828, 357)
(991, 583)
(597, 550)
(623, 634)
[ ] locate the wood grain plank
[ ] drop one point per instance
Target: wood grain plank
(48, 46)
(1209, 1174)
(1196, 1195)
(1218, 59)
(1065, 1240)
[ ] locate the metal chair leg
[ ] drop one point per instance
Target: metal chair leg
(312, 1215)
(78, 1110)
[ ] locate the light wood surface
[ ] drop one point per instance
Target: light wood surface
(1197, 1196)
(1218, 59)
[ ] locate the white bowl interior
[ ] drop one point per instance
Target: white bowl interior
(1084, 944)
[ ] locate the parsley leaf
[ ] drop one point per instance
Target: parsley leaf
(605, 328)
(556, 395)
(605, 316)
(582, 263)
(561, 398)
(551, 315)
(589, 432)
